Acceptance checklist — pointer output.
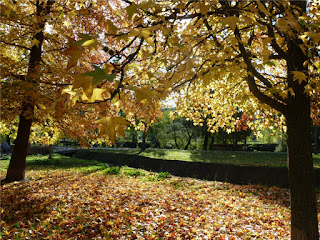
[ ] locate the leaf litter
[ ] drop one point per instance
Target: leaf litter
(61, 204)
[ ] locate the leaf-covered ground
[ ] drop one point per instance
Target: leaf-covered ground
(72, 199)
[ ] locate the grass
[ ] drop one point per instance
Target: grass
(70, 198)
(40, 164)
(270, 159)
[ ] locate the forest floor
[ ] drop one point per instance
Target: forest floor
(69, 198)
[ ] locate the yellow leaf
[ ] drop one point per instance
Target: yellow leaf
(231, 21)
(73, 95)
(263, 9)
(66, 23)
(149, 40)
(35, 42)
(284, 94)
(300, 76)
(92, 43)
(97, 95)
(113, 126)
(111, 27)
(145, 33)
(132, 9)
(315, 36)
(74, 52)
(291, 92)
(267, 40)
(84, 82)
(144, 94)
(134, 32)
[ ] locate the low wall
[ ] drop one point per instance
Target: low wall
(36, 149)
(210, 171)
(39, 150)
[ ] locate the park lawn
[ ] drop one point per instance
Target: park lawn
(270, 159)
(69, 198)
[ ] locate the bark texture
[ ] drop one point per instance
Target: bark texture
(304, 222)
(16, 169)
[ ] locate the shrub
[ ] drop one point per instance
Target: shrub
(113, 170)
(135, 173)
(5, 157)
(162, 175)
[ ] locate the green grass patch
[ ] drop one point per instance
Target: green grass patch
(42, 163)
(134, 172)
(163, 175)
(112, 170)
(269, 159)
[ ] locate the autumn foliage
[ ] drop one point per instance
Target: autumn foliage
(93, 66)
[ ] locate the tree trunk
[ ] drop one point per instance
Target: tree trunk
(304, 221)
(51, 146)
(188, 143)
(16, 169)
(212, 142)
(143, 143)
(205, 140)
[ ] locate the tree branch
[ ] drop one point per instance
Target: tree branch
(264, 98)
(16, 45)
(247, 60)
(274, 43)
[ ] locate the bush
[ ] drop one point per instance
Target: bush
(113, 170)
(162, 175)
(135, 173)
(5, 157)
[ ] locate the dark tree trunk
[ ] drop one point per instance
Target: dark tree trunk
(176, 141)
(212, 142)
(304, 222)
(189, 141)
(51, 151)
(16, 169)
(205, 140)
(143, 143)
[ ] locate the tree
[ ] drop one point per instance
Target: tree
(17, 164)
(261, 50)
(213, 114)
(51, 70)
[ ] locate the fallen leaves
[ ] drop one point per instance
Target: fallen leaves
(70, 204)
